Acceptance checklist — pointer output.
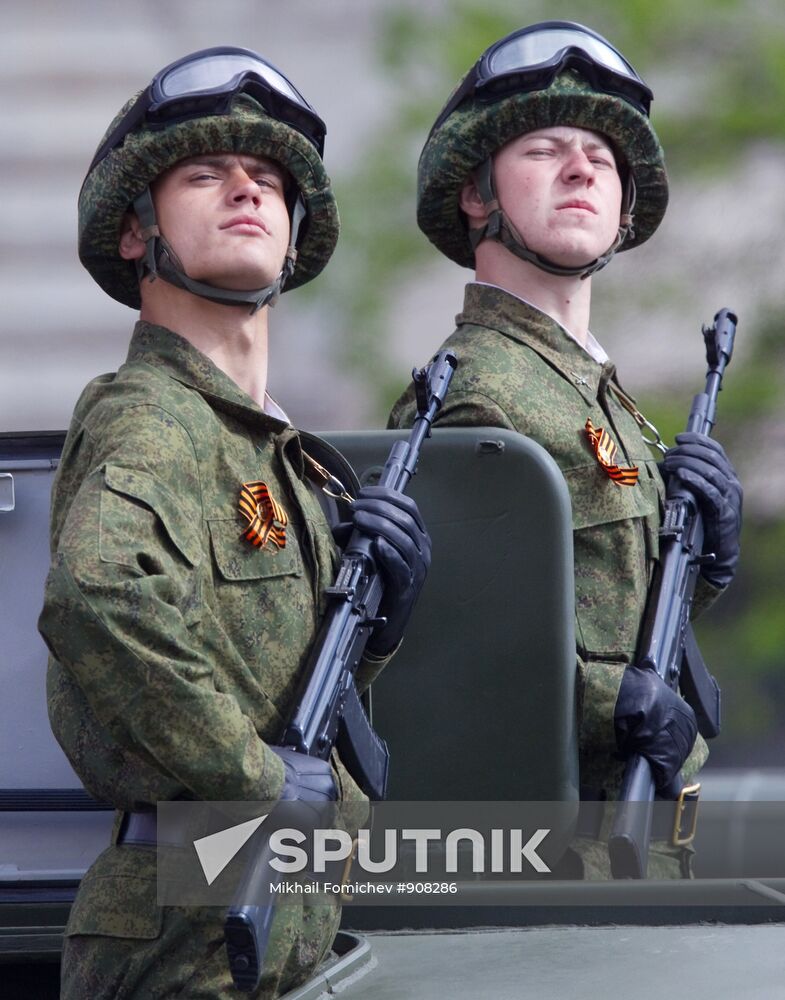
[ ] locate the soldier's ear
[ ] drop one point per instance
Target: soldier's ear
(471, 203)
(131, 246)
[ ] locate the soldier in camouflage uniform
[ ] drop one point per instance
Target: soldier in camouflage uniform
(179, 623)
(541, 166)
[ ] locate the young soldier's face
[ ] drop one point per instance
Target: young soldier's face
(560, 188)
(225, 217)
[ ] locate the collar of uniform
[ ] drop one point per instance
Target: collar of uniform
(162, 348)
(498, 309)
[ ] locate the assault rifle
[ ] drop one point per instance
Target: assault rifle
(667, 643)
(328, 708)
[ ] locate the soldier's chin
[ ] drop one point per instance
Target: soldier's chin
(578, 254)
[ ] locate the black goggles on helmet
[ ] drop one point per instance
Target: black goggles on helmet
(204, 83)
(530, 59)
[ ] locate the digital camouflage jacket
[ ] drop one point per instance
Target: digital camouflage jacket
(177, 643)
(177, 647)
(519, 369)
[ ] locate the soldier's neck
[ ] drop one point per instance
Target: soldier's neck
(566, 299)
(235, 341)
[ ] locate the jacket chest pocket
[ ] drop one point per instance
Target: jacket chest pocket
(264, 619)
(240, 561)
(261, 596)
(597, 500)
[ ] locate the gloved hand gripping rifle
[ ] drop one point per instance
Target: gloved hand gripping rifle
(328, 708)
(667, 643)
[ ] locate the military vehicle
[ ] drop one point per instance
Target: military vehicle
(478, 706)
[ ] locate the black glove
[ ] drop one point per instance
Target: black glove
(702, 465)
(402, 549)
(308, 779)
(652, 720)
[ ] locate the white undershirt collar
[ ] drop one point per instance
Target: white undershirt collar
(272, 409)
(592, 346)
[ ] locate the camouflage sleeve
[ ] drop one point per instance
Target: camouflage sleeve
(121, 611)
(598, 689)
(705, 595)
(370, 667)
(473, 409)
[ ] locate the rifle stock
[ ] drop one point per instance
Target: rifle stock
(247, 927)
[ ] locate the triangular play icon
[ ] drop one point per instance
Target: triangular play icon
(217, 850)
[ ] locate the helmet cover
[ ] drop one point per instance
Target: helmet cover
(476, 130)
(124, 173)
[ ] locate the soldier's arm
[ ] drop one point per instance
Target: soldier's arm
(123, 616)
(462, 408)
(705, 595)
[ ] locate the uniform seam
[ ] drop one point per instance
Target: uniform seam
(469, 394)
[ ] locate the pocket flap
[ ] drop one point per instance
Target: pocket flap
(238, 559)
(596, 499)
(168, 507)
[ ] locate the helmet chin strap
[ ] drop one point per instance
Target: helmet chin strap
(160, 261)
(500, 228)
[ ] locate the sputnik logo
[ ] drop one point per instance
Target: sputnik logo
(217, 850)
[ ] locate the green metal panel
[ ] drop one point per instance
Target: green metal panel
(351, 959)
(478, 703)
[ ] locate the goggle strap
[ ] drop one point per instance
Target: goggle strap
(617, 78)
(133, 118)
(306, 121)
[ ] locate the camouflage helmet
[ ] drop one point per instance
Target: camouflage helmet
(122, 171)
(473, 126)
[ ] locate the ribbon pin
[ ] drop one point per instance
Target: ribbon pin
(266, 518)
(606, 450)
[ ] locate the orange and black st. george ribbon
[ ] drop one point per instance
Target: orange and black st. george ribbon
(266, 518)
(606, 450)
